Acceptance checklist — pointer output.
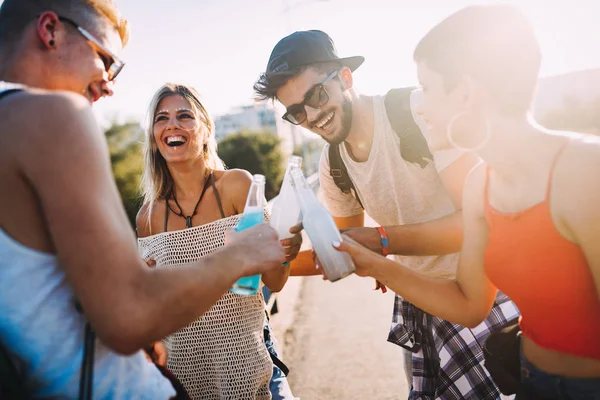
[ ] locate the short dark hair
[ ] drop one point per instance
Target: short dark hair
(15, 15)
(495, 44)
(266, 86)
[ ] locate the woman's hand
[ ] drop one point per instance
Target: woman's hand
(363, 258)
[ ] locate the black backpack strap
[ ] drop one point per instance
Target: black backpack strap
(339, 173)
(413, 145)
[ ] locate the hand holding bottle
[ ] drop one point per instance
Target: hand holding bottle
(293, 244)
(322, 231)
(253, 215)
(285, 213)
(256, 250)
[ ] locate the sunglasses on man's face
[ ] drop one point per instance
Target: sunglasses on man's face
(316, 97)
(112, 63)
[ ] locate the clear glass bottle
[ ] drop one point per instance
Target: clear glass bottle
(286, 210)
(253, 215)
(322, 231)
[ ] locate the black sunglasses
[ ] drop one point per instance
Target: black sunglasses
(112, 63)
(316, 97)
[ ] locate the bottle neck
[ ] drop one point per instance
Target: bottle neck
(256, 195)
(295, 162)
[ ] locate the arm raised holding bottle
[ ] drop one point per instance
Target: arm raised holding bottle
(253, 209)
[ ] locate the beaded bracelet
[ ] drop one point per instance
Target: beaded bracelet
(385, 242)
(385, 250)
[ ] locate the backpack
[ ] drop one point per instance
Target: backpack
(413, 145)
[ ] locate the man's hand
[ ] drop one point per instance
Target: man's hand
(292, 245)
(367, 237)
(257, 250)
(320, 269)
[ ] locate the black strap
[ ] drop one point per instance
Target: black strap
(280, 364)
(339, 173)
(274, 358)
(166, 214)
(413, 145)
(181, 393)
(86, 381)
(217, 195)
(11, 382)
(188, 219)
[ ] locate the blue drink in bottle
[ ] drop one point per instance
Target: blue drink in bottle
(253, 215)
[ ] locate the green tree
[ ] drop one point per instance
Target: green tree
(258, 153)
(125, 146)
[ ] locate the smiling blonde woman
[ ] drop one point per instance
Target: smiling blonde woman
(190, 201)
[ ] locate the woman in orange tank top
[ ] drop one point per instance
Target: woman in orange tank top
(531, 209)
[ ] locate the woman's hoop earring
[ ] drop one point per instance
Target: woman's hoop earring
(486, 139)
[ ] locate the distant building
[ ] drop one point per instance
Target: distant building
(256, 117)
(579, 86)
(260, 117)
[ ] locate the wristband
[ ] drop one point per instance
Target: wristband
(385, 243)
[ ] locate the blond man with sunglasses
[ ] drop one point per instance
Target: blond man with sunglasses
(69, 263)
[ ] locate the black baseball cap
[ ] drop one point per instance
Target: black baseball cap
(306, 47)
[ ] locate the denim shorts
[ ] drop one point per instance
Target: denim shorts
(279, 386)
(550, 387)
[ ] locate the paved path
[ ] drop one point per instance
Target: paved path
(336, 347)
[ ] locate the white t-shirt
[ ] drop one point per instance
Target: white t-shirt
(392, 190)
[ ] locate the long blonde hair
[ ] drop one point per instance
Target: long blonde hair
(157, 183)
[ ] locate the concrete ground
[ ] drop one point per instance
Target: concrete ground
(334, 341)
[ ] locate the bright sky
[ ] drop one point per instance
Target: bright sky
(221, 46)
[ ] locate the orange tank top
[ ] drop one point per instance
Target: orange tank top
(545, 275)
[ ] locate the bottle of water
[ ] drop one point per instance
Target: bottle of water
(286, 210)
(253, 215)
(322, 231)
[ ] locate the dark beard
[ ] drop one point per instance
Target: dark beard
(346, 118)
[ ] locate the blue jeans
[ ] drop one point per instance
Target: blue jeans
(279, 386)
(550, 387)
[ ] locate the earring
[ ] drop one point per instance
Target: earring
(486, 139)
(51, 42)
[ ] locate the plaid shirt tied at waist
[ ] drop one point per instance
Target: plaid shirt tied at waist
(447, 359)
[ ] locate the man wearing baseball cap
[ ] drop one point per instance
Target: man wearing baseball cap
(377, 159)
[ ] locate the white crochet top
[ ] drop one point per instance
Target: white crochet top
(221, 355)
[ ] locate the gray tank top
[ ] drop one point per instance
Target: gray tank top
(43, 332)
